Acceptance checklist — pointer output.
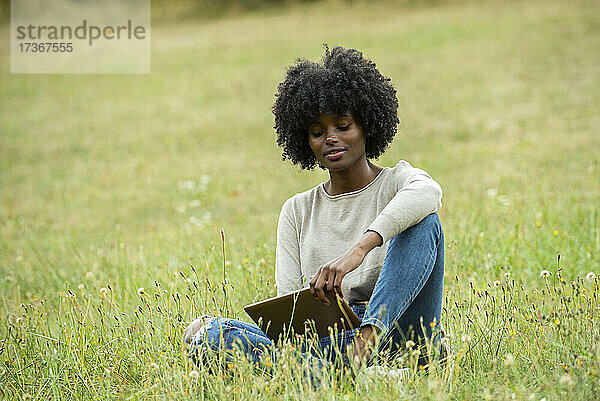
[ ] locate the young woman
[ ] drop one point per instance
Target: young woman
(369, 233)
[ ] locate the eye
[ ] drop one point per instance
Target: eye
(316, 134)
(345, 127)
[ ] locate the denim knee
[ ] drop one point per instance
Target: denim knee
(433, 219)
(429, 226)
(431, 223)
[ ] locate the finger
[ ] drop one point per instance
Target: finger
(320, 284)
(338, 280)
(331, 280)
(323, 296)
(338, 284)
(314, 277)
(313, 281)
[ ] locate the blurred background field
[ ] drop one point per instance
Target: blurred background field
(118, 181)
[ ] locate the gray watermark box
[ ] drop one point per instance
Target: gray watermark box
(80, 36)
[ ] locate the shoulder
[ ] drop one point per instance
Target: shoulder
(402, 171)
(403, 167)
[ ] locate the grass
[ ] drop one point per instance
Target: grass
(112, 183)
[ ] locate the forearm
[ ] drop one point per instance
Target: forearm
(408, 207)
(369, 240)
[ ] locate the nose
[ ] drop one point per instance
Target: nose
(331, 137)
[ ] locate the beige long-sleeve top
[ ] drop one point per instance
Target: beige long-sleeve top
(314, 227)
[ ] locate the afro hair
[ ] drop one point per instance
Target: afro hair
(345, 81)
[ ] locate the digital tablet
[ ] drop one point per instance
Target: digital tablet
(301, 313)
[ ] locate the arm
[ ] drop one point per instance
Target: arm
(417, 196)
(288, 275)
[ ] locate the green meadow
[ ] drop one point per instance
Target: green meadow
(114, 188)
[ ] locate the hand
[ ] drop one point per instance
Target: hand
(329, 276)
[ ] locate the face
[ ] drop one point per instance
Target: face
(337, 141)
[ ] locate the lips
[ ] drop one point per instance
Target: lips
(337, 151)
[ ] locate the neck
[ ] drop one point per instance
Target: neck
(351, 179)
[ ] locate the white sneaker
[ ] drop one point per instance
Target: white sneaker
(391, 376)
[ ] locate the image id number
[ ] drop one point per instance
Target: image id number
(46, 47)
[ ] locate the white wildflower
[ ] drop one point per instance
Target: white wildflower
(199, 221)
(505, 200)
(545, 273)
(466, 338)
(509, 359)
(203, 182)
(566, 380)
(590, 276)
(194, 374)
(410, 344)
(492, 192)
(186, 185)
(141, 291)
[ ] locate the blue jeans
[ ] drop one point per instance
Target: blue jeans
(406, 299)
